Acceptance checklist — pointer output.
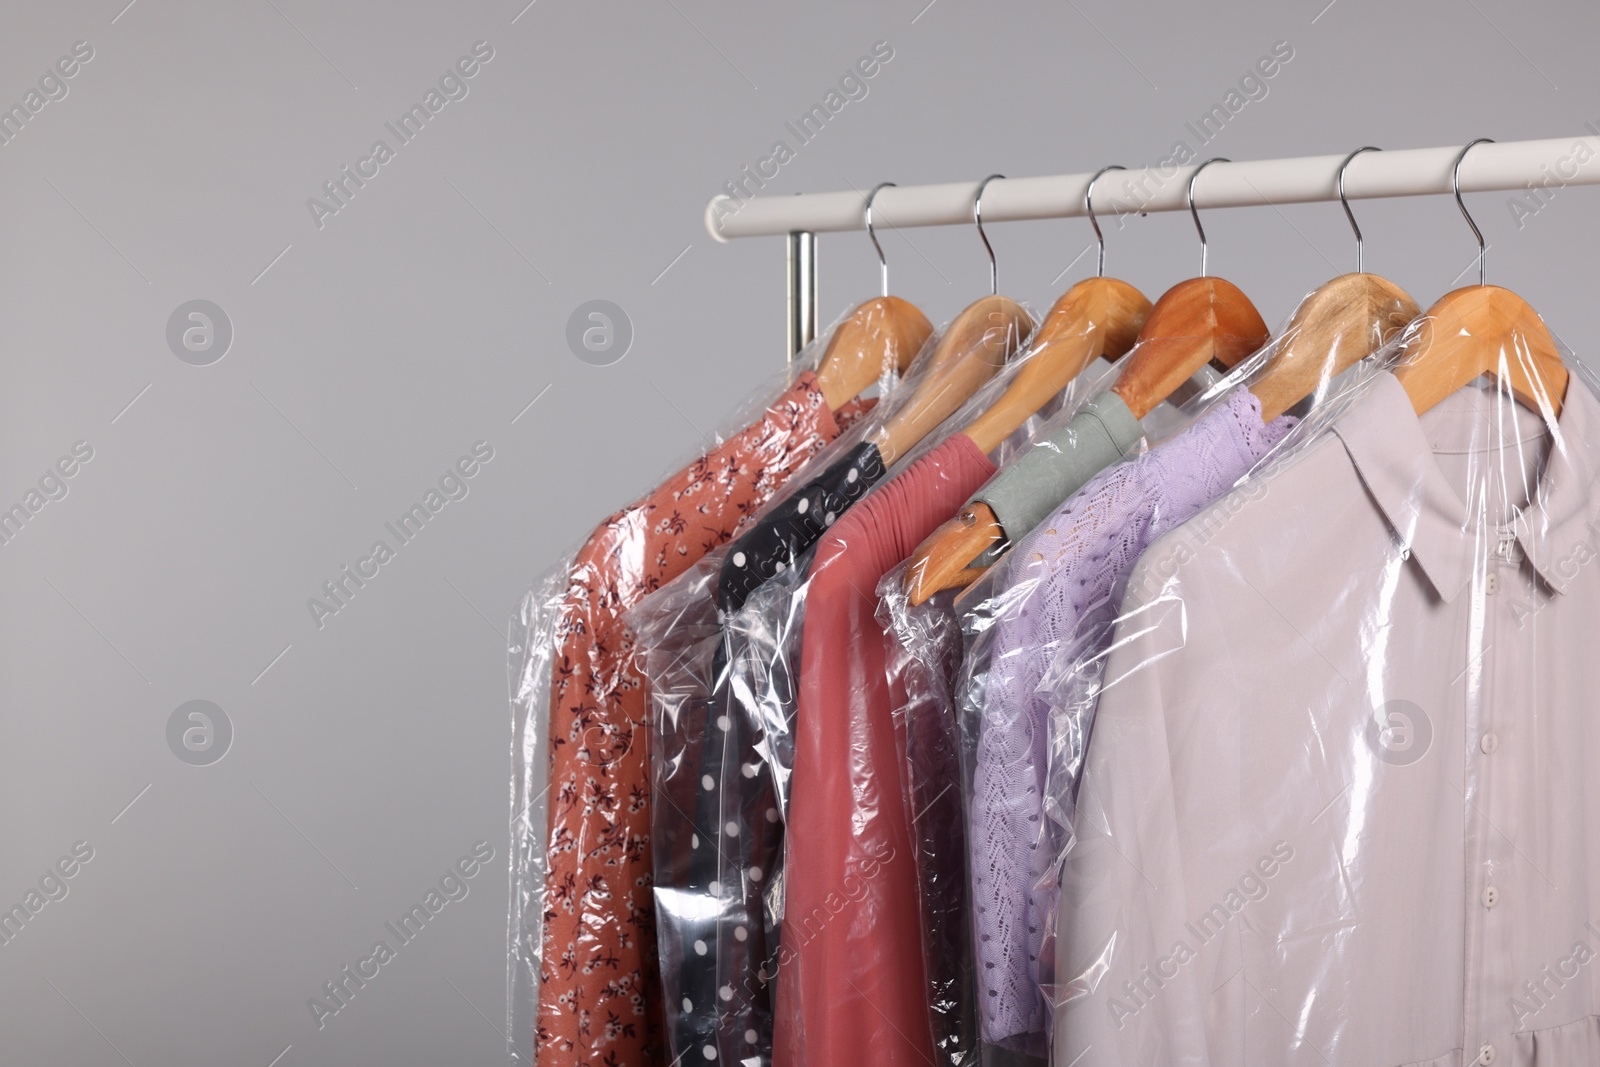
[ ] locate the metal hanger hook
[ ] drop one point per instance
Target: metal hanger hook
(1455, 185)
(1195, 214)
(1346, 204)
(977, 220)
(883, 264)
(1088, 209)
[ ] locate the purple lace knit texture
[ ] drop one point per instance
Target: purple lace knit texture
(1068, 564)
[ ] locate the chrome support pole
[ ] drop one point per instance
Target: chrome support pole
(803, 303)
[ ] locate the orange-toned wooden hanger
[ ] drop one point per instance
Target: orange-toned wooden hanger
(976, 345)
(1341, 323)
(885, 331)
(1097, 317)
(1195, 322)
(1337, 326)
(1483, 329)
(973, 349)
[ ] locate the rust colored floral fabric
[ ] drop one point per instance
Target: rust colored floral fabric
(599, 1000)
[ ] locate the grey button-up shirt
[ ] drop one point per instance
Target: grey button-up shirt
(1341, 801)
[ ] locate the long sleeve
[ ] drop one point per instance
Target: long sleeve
(598, 999)
(1058, 465)
(717, 933)
(924, 667)
(782, 537)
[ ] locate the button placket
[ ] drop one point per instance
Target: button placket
(1506, 548)
(1477, 708)
(1492, 783)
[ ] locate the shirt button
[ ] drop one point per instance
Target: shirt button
(1491, 897)
(1486, 1054)
(1488, 742)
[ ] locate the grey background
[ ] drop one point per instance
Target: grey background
(370, 754)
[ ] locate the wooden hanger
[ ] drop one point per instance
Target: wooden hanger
(1483, 329)
(1097, 317)
(885, 330)
(1195, 322)
(1340, 324)
(1334, 328)
(978, 343)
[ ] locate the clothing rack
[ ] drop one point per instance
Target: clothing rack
(1537, 167)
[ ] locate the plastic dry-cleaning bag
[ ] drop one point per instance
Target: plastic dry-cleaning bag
(582, 970)
(1018, 617)
(1334, 803)
(718, 758)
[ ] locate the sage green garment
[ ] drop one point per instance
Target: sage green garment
(1042, 478)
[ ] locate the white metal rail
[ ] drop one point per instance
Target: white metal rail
(1552, 163)
(1536, 167)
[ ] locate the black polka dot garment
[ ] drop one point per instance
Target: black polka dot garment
(794, 525)
(719, 851)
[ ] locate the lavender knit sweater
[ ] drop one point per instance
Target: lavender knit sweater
(1066, 566)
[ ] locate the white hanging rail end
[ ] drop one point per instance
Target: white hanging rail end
(1517, 165)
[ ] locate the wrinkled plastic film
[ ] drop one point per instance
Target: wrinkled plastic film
(709, 880)
(532, 648)
(923, 666)
(1048, 594)
(842, 991)
(1270, 743)
(717, 674)
(759, 642)
(851, 975)
(947, 1011)
(1322, 758)
(582, 970)
(718, 895)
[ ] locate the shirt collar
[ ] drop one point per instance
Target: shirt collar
(1391, 453)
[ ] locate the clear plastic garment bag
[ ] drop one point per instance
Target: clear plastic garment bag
(1324, 769)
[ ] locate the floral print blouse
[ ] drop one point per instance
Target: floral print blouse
(599, 1000)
